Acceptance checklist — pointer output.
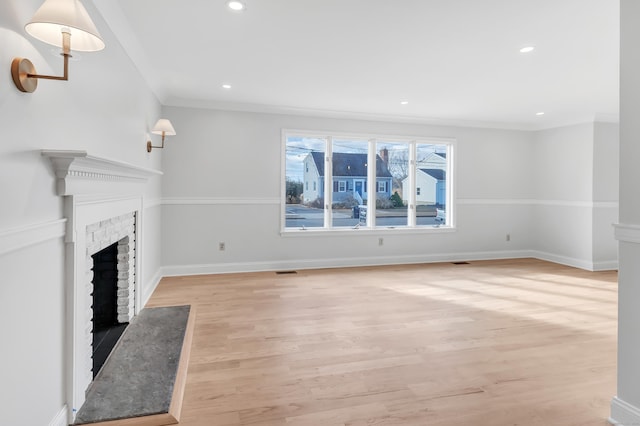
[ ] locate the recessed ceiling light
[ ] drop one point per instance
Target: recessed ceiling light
(404, 102)
(527, 49)
(226, 86)
(236, 5)
(540, 113)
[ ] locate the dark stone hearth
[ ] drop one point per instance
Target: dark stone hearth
(138, 378)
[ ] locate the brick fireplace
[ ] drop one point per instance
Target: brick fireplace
(118, 230)
(103, 205)
(117, 235)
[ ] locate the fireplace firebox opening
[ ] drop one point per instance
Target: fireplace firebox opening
(106, 327)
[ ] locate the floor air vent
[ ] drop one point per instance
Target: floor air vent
(286, 272)
(460, 263)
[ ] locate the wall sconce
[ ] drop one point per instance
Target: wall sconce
(163, 127)
(57, 22)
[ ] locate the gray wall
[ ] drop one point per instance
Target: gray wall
(223, 179)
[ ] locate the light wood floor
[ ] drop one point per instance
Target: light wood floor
(518, 342)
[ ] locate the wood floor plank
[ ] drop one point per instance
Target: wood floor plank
(512, 342)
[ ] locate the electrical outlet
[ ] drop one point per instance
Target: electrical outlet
(221, 246)
(380, 241)
(508, 238)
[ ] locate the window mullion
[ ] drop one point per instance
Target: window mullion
(328, 182)
(411, 208)
(372, 183)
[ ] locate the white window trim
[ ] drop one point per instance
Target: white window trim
(451, 182)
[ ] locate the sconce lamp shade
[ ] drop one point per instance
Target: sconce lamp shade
(55, 15)
(163, 127)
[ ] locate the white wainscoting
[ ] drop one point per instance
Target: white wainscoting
(572, 254)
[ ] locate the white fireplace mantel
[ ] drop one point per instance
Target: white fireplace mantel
(97, 192)
(77, 173)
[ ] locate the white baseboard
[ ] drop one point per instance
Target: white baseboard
(61, 418)
(576, 263)
(623, 413)
(611, 265)
(278, 265)
(284, 265)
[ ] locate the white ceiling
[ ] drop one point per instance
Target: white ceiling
(455, 61)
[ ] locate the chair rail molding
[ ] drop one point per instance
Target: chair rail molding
(627, 233)
(78, 172)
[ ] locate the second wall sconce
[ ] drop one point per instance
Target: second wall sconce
(163, 127)
(60, 23)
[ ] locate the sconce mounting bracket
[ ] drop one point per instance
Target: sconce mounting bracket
(21, 69)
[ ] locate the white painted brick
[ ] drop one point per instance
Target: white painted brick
(123, 275)
(100, 234)
(93, 227)
(124, 272)
(93, 248)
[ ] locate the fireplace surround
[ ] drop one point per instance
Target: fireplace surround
(103, 204)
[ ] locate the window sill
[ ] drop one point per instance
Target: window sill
(298, 232)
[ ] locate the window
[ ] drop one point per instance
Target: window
(409, 186)
(431, 173)
(304, 162)
(392, 167)
(349, 159)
